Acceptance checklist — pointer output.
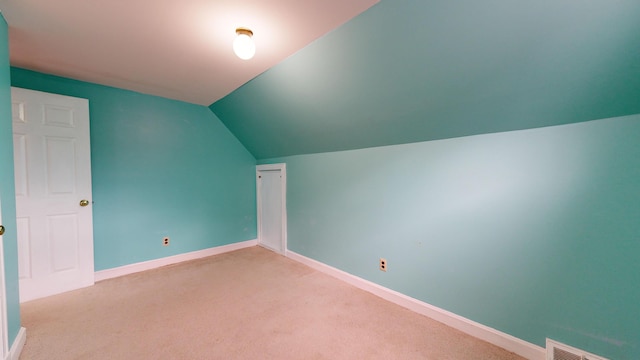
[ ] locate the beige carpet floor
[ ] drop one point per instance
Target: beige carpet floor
(247, 304)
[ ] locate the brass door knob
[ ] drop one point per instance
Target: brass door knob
(1, 230)
(84, 202)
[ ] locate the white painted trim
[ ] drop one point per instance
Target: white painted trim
(493, 336)
(271, 167)
(282, 167)
(18, 344)
(4, 352)
(152, 264)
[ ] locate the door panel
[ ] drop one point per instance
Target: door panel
(271, 183)
(271, 224)
(53, 173)
(20, 156)
(24, 248)
(63, 239)
(55, 115)
(60, 164)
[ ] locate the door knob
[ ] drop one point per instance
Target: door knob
(1, 230)
(84, 202)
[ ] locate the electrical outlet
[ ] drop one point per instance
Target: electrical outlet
(165, 241)
(383, 264)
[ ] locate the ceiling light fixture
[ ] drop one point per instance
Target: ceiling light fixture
(243, 45)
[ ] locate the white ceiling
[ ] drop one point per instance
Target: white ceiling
(179, 49)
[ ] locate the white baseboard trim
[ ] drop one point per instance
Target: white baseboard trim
(490, 335)
(152, 264)
(18, 344)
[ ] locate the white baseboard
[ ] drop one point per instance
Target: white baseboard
(18, 344)
(152, 264)
(490, 335)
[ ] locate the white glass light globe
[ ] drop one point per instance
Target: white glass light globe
(244, 47)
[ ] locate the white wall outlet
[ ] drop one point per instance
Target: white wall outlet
(165, 241)
(383, 264)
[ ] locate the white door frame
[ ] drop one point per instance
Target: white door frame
(4, 348)
(283, 184)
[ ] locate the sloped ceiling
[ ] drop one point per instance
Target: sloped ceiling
(179, 49)
(414, 70)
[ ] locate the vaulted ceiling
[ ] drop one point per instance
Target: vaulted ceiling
(414, 70)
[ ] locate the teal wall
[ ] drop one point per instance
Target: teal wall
(414, 70)
(535, 232)
(160, 168)
(7, 189)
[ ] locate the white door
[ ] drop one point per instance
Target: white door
(272, 214)
(53, 192)
(4, 345)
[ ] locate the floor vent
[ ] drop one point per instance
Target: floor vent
(558, 351)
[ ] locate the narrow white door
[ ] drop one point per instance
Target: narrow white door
(271, 191)
(53, 192)
(3, 303)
